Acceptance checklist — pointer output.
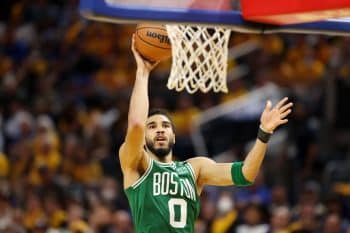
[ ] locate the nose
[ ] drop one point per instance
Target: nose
(160, 130)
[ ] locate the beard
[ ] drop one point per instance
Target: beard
(160, 152)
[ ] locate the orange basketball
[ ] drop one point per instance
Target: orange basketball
(152, 42)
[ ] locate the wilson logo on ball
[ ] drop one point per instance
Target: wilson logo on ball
(161, 38)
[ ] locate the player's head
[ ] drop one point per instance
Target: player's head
(160, 135)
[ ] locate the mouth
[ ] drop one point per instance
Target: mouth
(160, 139)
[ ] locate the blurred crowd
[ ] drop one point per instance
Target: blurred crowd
(65, 86)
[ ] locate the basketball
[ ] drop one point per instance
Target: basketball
(152, 42)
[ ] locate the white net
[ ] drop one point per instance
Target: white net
(199, 58)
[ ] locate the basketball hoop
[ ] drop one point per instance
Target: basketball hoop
(199, 56)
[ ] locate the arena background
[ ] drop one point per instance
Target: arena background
(65, 86)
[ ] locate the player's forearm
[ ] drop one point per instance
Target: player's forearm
(139, 104)
(252, 162)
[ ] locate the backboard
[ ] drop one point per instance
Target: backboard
(225, 13)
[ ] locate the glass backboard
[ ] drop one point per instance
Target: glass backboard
(220, 12)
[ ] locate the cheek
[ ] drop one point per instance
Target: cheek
(169, 133)
(172, 136)
(148, 134)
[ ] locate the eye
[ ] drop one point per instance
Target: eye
(166, 125)
(151, 126)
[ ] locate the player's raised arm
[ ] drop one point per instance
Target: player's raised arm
(270, 119)
(131, 151)
(208, 172)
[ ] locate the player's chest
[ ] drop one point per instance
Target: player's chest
(172, 183)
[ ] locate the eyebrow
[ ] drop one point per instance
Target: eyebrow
(150, 123)
(153, 122)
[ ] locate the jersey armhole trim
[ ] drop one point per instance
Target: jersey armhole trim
(144, 176)
(189, 166)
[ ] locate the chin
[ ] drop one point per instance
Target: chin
(160, 151)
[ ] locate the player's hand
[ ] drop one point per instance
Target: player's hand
(140, 61)
(271, 118)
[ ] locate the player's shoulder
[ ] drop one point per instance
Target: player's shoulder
(199, 162)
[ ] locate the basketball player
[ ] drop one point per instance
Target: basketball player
(164, 194)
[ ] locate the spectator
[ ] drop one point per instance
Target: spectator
(121, 222)
(253, 220)
(333, 224)
(280, 220)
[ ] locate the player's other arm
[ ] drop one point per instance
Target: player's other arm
(131, 154)
(209, 172)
